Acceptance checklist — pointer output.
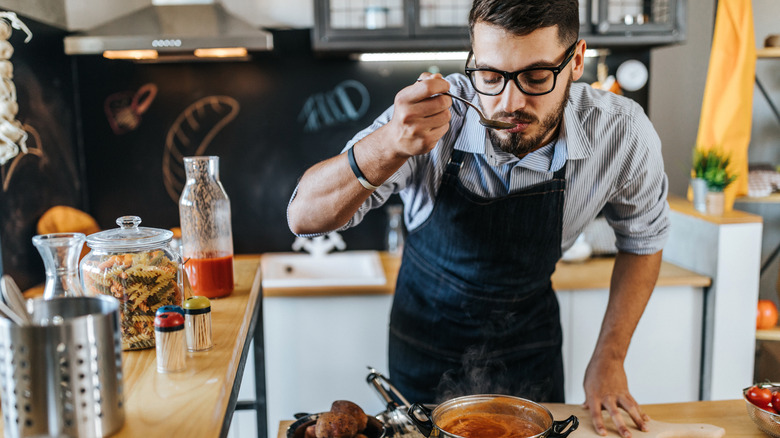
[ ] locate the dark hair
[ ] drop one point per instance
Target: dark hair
(521, 17)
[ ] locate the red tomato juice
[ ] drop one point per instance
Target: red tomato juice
(211, 278)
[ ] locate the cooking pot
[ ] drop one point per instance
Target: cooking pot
(498, 416)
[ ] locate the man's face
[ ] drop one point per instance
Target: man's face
(537, 117)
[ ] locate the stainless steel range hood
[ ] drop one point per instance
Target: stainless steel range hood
(171, 27)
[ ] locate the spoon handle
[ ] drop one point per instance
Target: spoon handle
(6, 312)
(13, 298)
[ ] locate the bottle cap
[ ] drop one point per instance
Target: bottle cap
(169, 308)
(197, 305)
(168, 322)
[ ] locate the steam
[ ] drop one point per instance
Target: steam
(480, 373)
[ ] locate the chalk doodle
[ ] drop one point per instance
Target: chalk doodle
(191, 134)
(348, 101)
(124, 109)
(7, 172)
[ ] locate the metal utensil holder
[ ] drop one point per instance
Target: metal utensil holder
(62, 375)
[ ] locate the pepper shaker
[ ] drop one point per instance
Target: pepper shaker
(169, 333)
(170, 308)
(197, 317)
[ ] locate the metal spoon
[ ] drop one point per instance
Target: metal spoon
(484, 121)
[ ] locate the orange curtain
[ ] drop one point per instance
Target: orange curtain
(727, 107)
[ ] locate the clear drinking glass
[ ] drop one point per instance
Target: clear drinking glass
(206, 231)
(60, 253)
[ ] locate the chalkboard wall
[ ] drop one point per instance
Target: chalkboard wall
(268, 119)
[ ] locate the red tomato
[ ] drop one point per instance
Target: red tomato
(767, 315)
(761, 397)
(776, 401)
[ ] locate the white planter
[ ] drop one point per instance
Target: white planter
(699, 188)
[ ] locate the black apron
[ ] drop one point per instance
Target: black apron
(474, 311)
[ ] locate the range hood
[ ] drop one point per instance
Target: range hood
(172, 27)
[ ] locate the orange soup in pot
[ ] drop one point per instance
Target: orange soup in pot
(491, 425)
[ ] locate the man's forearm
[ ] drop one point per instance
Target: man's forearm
(633, 280)
(329, 193)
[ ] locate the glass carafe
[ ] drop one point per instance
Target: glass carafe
(206, 232)
(60, 253)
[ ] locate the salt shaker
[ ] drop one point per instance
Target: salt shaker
(169, 333)
(206, 232)
(197, 319)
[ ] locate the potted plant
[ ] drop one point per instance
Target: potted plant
(712, 167)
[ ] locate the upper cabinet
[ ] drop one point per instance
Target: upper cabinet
(437, 25)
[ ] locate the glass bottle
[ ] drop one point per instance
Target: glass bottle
(395, 230)
(206, 233)
(60, 253)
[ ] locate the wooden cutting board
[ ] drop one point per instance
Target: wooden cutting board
(657, 429)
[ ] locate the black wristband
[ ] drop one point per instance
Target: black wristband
(356, 170)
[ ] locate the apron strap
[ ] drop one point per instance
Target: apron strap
(561, 173)
(454, 165)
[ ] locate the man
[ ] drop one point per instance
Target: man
(489, 212)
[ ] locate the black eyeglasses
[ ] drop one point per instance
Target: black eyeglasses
(532, 81)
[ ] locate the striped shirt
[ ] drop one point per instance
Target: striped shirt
(614, 166)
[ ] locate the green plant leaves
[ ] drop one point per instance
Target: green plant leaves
(712, 166)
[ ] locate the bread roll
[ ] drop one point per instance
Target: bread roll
(353, 410)
(336, 425)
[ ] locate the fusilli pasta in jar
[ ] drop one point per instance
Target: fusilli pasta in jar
(136, 266)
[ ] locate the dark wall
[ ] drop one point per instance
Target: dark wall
(50, 173)
(293, 110)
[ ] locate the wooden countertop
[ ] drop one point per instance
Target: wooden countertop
(728, 414)
(594, 273)
(195, 402)
(685, 206)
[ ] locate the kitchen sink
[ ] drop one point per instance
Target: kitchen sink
(348, 268)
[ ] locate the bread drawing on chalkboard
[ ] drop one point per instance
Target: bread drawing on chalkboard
(124, 109)
(191, 134)
(13, 137)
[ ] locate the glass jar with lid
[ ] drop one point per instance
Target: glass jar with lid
(137, 266)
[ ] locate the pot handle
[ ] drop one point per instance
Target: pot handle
(425, 427)
(559, 427)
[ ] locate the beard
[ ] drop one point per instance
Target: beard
(518, 143)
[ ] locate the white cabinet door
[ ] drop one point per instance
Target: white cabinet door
(317, 350)
(664, 359)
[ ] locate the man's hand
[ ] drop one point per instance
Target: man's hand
(606, 388)
(419, 120)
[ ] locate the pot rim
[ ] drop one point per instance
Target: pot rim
(443, 406)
